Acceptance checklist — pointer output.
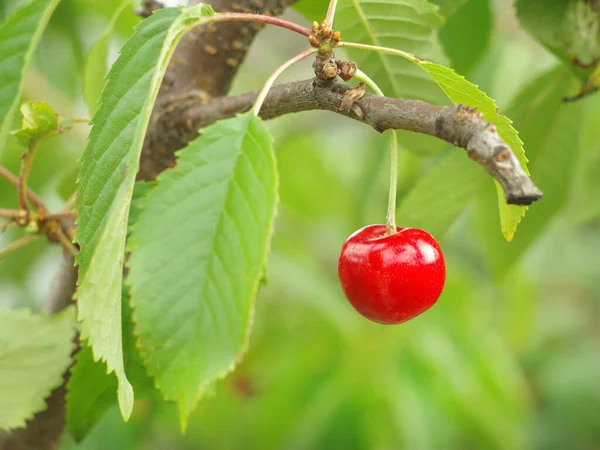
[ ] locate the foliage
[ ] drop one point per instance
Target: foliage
(203, 231)
(108, 167)
(37, 349)
(570, 29)
(507, 359)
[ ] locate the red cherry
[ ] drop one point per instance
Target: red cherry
(391, 279)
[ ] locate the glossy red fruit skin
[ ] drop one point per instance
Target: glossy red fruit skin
(391, 279)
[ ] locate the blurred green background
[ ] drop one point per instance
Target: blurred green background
(509, 358)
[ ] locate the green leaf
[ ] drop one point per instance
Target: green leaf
(19, 36)
(449, 7)
(466, 34)
(140, 190)
(584, 204)
(108, 168)
(35, 351)
(95, 67)
(552, 131)
(568, 28)
(91, 391)
(409, 25)
(459, 90)
(199, 248)
(312, 10)
(39, 121)
(441, 194)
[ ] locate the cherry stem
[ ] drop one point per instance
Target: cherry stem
(330, 13)
(390, 219)
(247, 17)
(269, 83)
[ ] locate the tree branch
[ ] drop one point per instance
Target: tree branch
(458, 125)
(202, 68)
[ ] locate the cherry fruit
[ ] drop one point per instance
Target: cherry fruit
(390, 279)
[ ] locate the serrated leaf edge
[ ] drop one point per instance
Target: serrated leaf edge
(42, 405)
(229, 369)
(180, 25)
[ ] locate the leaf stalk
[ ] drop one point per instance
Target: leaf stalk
(271, 80)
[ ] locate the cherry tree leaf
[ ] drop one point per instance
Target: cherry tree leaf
(91, 391)
(95, 67)
(460, 90)
(569, 29)
(35, 351)
(467, 32)
(19, 36)
(441, 194)
(409, 25)
(199, 248)
(106, 180)
(549, 126)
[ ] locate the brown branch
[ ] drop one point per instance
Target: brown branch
(13, 214)
(202, 68)
(32, 196)
(458, 125)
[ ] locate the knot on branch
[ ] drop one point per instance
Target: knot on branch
(326, 69)
(466, 128)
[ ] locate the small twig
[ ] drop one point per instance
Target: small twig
(7, 225)
(26, 165)
(32, 196)
(59, 216)
(269, 83)
(66, 243)
(12, 214)
(18, 244)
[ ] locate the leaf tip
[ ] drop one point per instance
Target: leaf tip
(126, 399)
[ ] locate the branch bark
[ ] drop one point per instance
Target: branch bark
(201, 69)
(457, 124)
